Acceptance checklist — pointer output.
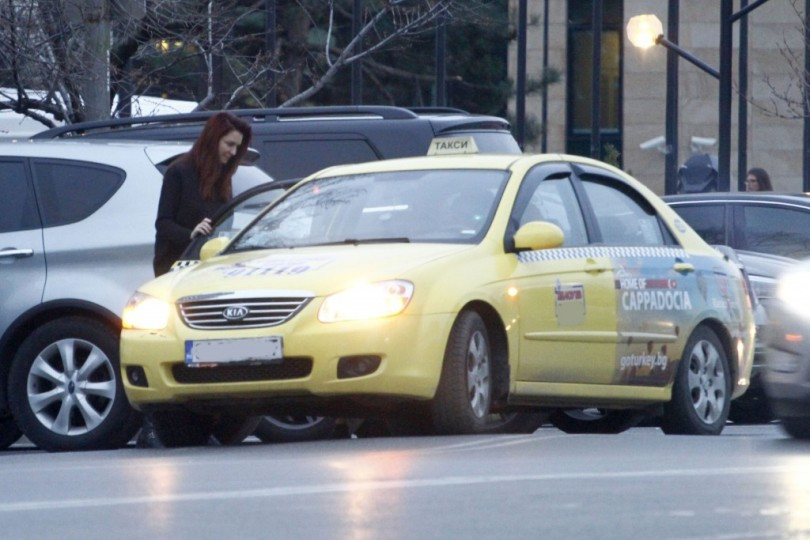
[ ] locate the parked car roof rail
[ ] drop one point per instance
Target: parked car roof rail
(278, 114)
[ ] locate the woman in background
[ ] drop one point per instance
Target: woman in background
(757, 180)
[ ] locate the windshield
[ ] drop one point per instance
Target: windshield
(403, 206)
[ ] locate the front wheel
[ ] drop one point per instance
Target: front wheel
(464, 396)
(595, 420)
(65, 388)
(701, 392)
(179, 428)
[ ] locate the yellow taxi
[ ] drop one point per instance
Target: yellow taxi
(434, 290)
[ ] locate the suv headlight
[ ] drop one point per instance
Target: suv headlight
(144, 312)
(793, 292)
(372, 301)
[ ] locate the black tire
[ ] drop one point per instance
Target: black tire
(231, 430)
(179, 428)
(701, 392)
(79, 357)
(798, 428)
(464, 396)
(9, 432)
(295, 428)
(595, 420)
(516, 422)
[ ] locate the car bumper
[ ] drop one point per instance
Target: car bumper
(410, 351)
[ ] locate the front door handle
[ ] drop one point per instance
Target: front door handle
(683, 267)
(594, 267)
(16, 253)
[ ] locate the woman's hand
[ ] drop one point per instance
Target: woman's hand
(202, 228)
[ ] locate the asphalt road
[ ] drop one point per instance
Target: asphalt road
(750, 482)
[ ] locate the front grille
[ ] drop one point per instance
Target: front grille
(288, 368)
(210, 313)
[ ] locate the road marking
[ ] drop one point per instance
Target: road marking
(344, 487)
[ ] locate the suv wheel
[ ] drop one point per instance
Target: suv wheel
(65, 387)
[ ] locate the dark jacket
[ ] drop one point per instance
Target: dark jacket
(180, 209)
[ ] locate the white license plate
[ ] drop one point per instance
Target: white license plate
(228, 351)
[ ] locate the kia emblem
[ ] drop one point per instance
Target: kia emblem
(235, 313)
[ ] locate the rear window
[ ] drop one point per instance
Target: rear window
(71, 191)
(18, 211)
(300, 158)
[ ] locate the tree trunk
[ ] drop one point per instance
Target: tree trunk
(93, 16)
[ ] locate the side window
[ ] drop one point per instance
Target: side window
(774, 230)
(623, 218)
(70, 191)
(708, 220)
(553, 200)
(300, 158)
(18, 209)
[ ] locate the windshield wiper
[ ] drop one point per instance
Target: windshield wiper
(387, 240)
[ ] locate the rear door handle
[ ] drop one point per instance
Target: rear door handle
(16, 253)
(683, 267)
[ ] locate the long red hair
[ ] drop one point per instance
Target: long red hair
(214, 177)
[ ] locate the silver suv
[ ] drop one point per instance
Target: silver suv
(76, 238)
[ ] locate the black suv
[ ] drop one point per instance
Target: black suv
(295, 142)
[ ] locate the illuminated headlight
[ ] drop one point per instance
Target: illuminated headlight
(371, 301)
(793, 292)
(144, 312)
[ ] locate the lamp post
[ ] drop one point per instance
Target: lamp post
(645, 31)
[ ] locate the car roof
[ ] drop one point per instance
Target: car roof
(719, 196)
(442, 118)
(73, 149)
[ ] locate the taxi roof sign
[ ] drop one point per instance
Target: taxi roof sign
(452, 145)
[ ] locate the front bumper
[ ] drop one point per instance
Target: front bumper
(410, 351)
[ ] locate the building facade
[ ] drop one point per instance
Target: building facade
(632, 97)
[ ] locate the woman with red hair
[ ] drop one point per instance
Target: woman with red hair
(196, 185)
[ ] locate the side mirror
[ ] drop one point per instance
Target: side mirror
(538, 235)
(212, 247)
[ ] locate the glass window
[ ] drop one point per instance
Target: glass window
(18, 209)
(579, 88)
(776, 230)
(69, 191)
(554, 200)
(404, 206)
(623, 220)
(708, 220)
(300, 158)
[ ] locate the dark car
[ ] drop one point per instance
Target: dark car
(770, 232)
(787, 373)
(296, 141)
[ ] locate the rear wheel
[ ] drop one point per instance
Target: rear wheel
(701, 392)
(179, 428)
(464, 396)
(65, 388)
(595, 420)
